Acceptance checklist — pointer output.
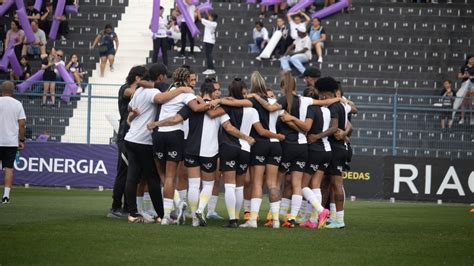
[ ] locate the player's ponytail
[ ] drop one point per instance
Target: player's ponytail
(258, 84)
(288, 85)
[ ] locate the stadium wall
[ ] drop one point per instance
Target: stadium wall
(403, 178)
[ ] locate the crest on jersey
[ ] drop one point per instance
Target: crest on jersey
(326, 165)
(159, 155)
(286, 165)
(207, 165)
(190, 161)
(173, 154)
(301, 164)
(277, 159)
(340, 168)
(314, 167)
(243, 166)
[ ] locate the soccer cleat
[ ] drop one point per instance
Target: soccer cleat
(249, 224)
(166, 221)
(320, 60)
(232, 224)
(336, 225)
(181, 219)
(147, 218)
(269, 223)
(322, 217)
(290, 223)
(302, 219)
(309, 224)
(214, 216)
(200, 217)
(246, 215)
(276, 224)
(269, 216)
(5, 200)
(135, 219)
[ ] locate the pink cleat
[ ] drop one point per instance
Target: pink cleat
(322, 217)
(309, 224)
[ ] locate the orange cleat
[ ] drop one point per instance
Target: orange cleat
(269, 223)
(246, 215)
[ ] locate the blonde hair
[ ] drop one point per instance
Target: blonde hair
(258, 85)
(288, 85)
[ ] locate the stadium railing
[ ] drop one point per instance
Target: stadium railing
(386, 124)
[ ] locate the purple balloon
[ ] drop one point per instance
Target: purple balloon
(42, 138)
(155, 18)
(195, 2)
(19, 4)
(5, 6)
(15, 64)
(334, 8)
(187, 18)
(22, 87)
(38, 4)
(301, 5)
(68, 90)
(55, 25)
(5, 60)
(251, 1)
(205, 7)
(270, 2)
(25, 24)
(71, 9)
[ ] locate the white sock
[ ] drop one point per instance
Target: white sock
(311, 197)
(147, 203)
(211, 205)
(332, 210)
(246, 205)
(239, 199)
(319, 196)
(193, 186)
(167, 206)
(295, 205)
(183, 195)
(285, 206)
(303, 208)
(275, 209)
(254, 208)
(140, 204)
(206, 193)
(340, 216)
(6, 192)
(230, 200)
(176, 198)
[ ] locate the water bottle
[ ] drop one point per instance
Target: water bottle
(17, 158)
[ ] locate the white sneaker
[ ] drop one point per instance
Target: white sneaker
(258, 58)
(472, 122)
(212, 71)
(166, 221)
(249, 224)
(207, 72)
(181, 219)
(461, 122)
(112, 68)
(276, 224)
(320, 60)
(147, 218)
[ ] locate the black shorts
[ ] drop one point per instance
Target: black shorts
(207, 164)
(168, 146)
(317, 160)
(233, 159)
(294, 157)
(109, 51)
(338, 162)
(265, 152)
(7, 156)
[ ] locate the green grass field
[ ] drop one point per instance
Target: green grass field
(55, 226)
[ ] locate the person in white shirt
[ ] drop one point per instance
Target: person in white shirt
(160, 39)
(139, 145)
(298, 53)
(191, 9)
(260, 36)
(12, 132)
(295, 20)
(209, 40)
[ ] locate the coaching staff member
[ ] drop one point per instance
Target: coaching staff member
(12, 133)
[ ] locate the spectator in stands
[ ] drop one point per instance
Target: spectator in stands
(47, 18)
(49, 77)
(174, 34)
(209, 40)
(298, 53)
(260, 36)
(467, 73)
(285, 40)
(25, 66)
(186, 33)
(76, 70)
(105, 39)
(32, 13)
(295, 20)
(318, 37)
(15, 38)
(311, 75)
(447, 101)
(38, 47)
(160, 39)
(63, 30)
(347, 9)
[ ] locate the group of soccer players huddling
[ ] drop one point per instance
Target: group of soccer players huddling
(175, 146)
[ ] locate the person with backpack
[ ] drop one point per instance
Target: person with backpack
(105, 40)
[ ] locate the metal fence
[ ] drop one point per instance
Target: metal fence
(386, 124)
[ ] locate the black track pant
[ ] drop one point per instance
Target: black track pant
(163, 44)
(142, 165)
(120, 179)
(185, 32)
